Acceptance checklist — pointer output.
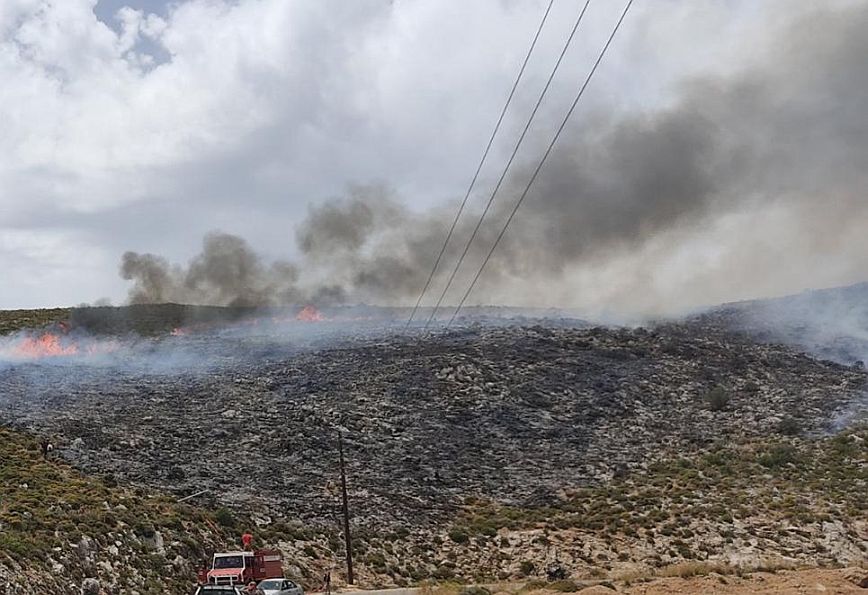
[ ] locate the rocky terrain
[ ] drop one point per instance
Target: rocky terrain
(514, 414)
(828, 323)
(485, 452)
(63, 532)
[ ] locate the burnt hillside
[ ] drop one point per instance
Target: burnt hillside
(512, 414)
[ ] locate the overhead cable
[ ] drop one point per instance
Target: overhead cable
(481, 163)
(508, 164)
(541, 162)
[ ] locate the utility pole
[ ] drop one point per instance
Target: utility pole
(348, 540)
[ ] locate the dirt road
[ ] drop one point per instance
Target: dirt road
(793, 582)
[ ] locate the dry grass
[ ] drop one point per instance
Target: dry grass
(692, 568)
(16, 320)
(429, 588)
(774, 565)
(791, 482)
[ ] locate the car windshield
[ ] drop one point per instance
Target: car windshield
(271, 584)
(215, 589)
(229, 562)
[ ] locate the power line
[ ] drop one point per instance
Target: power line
(508, 164)
(345, 507)
(481, 162)
(542, 161)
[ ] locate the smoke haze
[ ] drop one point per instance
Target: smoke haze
(227, 272)
(648, 212)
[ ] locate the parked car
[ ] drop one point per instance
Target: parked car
(280, 586)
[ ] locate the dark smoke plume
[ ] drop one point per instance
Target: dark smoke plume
(227, 273)
(789, 130)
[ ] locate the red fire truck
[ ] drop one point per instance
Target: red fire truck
(238, 568)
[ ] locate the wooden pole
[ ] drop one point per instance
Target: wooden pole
(346, 510)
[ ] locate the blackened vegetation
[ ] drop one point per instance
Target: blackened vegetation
(510, 414)
(828, 323)
(153, 319)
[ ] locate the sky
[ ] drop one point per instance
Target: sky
(144, 125)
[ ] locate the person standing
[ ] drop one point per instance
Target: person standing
(247, 540)
(46, 447)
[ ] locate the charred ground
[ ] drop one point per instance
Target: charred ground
(514, 414)
(474, 452)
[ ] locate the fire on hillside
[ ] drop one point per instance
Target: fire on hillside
(308, 313)
(56, 343)
(44, 345)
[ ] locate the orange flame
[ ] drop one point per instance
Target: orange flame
(45, 345)
(310, 314)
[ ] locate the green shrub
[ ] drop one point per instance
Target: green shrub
(444, 572)
(718, 399)
(458, 536)
(225, 517)
(144, 529)
(20, 547)
(564, 586)
(376, 560)
(789, 427)
(779, 456)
